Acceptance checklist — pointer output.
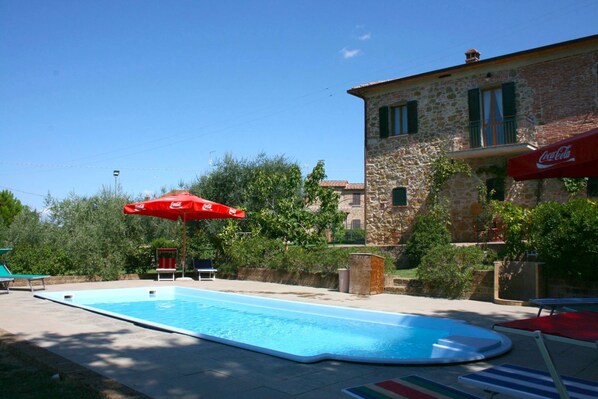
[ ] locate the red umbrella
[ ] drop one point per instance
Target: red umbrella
(185, 206)
(574, 157)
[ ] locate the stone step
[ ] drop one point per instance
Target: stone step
(395, 289)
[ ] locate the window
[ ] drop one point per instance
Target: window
(492, 116)
(593, 187)
(356, 199)
(399, 196)
(496, 188)
(355, 224)
(493, 119)
(398, 120)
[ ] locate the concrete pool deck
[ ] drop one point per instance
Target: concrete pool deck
(166, 365)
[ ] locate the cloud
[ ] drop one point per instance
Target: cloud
(364, 37)
(350, 53)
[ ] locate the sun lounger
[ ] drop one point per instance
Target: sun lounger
(4, 283)
(560, 303)
(526, 383)
(204, 267)
(166, 258)
(5, 273)
(410, 387)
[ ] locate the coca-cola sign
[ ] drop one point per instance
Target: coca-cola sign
(549, 159)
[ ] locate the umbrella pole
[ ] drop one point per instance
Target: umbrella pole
(184, 249)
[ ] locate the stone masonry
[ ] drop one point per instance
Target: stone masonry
(556, 93)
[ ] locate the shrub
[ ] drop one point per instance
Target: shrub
(515, 224)
(260, 252)
(566, 238)
(38, 259)
(448, 269)
(429, 231)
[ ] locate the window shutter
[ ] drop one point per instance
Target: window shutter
(384, 121)
(509, 112)
(473, 97)
(412, 116)
(508, 99)
(475, 126)
(399, 196)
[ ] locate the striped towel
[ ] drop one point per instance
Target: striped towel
(410, 387)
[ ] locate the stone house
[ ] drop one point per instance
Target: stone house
(483, 112)
(351, 201)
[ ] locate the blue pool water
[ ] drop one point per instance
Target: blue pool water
(293, 330)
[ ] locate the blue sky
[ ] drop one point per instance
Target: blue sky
(158, 89)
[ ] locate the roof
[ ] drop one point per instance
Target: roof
(342, 184)
(360, 90)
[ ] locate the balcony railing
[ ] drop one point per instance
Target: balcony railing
(511, 131)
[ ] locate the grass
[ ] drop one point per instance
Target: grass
(405, 273)
(23, 379)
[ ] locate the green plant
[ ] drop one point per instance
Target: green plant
(574, 186)
(429, 231)
(444, 168)
(448, 269)
(514, 222)
(566, 238)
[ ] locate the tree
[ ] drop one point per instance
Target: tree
(10, 207)
(279, 203)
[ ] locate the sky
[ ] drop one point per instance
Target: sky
(163, 90)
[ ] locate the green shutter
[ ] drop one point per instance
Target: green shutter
(384, 121)
(508, 99)
(473, 96)
(399, 196)
(509, 112)
(475, 125)
(412, 116)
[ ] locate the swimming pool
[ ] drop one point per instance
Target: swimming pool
(297, 331)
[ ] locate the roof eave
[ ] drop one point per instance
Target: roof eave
(360, 91)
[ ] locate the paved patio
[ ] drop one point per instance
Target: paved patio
(165, 365)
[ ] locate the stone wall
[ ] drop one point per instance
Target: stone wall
(556, 97)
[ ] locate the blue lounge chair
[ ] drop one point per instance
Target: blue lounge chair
(204, 267)
(566, 304)
(5, 273)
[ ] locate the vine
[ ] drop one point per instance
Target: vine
(444, 168)
(574, 186)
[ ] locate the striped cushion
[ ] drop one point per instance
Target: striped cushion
(410, 387)
(528, 383)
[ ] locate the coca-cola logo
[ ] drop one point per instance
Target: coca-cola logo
(206, 207)
(549, 159)
(232, 211)
(139, 207)
(176, 205)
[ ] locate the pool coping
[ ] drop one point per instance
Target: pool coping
(454, 348)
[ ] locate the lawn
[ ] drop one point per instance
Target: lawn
(405, 273)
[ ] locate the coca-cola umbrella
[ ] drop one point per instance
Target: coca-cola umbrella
(576, 156)
(184, 206)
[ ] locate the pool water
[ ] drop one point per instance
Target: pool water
(297, 331)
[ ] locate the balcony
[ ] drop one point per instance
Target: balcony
(511, 137)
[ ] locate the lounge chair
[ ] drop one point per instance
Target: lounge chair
(562, 303)
(166, 258)
(410, 387)
(526, 383)
(4, 283)
(204, 267)
(5, 273)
